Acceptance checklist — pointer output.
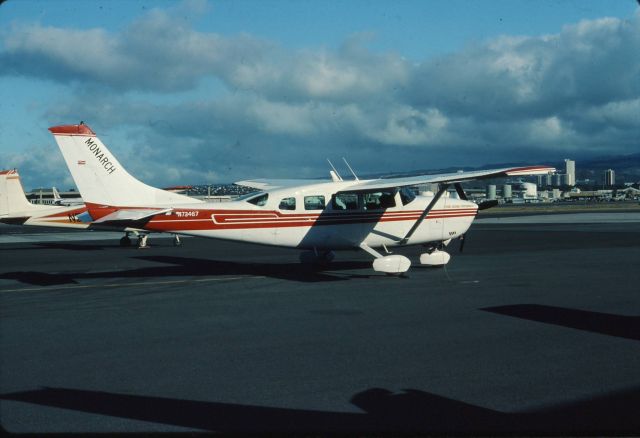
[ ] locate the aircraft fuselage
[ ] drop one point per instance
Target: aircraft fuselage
(317, 216)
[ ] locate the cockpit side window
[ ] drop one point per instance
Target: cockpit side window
(344, 201)
(379, 200)
(287, 204)
(315, 202)
(260, 200)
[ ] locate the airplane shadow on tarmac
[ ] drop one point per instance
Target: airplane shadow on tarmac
(71, 246)
(604, 323)
(406, 411)
(190, 267)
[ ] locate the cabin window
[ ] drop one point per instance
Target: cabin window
(406, 195)
(344, 201)
(379, 200)
(260, 201)
(315, 202)
(287, 204)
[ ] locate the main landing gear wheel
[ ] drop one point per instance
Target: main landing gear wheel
(142, 241)
(317, 258)
(176, 240)
(125, 241)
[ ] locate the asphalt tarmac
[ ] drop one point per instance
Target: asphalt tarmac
(533, 329)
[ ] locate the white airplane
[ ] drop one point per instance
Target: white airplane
(59, 200)
(373, 215)
(15, 209)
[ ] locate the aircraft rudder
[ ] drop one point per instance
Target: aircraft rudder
(98, 174)
(12, 196)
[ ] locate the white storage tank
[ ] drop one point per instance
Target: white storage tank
(491, 192)
(530, 191)
(506, 191)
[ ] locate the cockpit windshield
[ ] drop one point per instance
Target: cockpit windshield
(406, 195)
(260, 199)
(248, 196)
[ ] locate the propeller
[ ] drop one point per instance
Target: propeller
(487, 204)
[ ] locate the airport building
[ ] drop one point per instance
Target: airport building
(549, 179)
(570, 172)
(609, 178)
(557, 179)
(45, 196)
(530, 191)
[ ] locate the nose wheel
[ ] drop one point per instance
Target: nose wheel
(315, 257)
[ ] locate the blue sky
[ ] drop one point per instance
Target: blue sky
(197, 91)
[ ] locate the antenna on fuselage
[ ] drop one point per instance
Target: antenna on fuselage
(352, 172)
(335, 176)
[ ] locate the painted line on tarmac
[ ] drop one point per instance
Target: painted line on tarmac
(140, 283)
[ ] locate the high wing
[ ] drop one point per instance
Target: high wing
(382, 183)
(450, 178)
(272, 184)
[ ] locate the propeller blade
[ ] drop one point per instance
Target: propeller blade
(463, 239)
(487, 204)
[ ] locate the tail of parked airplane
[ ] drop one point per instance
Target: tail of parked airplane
(56, 195)
(12, 197)
(99, 176)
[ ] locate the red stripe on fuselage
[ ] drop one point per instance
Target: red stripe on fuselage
(235, 219)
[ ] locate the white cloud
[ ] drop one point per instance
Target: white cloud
(575, 90)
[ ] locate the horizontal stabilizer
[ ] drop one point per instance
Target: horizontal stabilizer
(130, 215)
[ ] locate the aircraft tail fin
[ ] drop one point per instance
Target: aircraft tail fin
(100, 177)
(56, 195)
(12, 197)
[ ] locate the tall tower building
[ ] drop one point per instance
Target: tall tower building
(570, 171)
(609, 177)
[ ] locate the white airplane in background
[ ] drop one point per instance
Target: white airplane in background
(305, 214)
(15, 209)
(59, 200)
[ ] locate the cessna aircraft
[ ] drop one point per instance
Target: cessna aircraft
(313, 215)
(15, 209)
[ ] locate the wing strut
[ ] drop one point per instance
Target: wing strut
(461, 194)
(443, 188)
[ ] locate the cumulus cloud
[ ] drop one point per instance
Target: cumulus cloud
(39, 161)
(283, 111)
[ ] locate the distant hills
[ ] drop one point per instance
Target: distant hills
(627, 168)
